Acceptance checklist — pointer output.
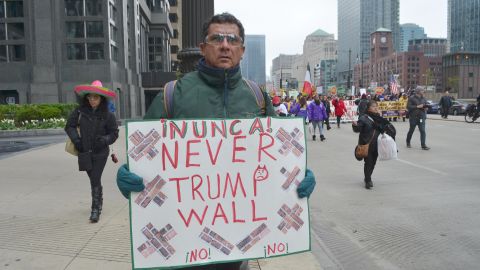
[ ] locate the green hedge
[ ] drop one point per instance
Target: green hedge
(28, 112)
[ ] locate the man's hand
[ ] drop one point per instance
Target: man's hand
(78, 145)
(307, 186)
(419, 106)
(128, 181)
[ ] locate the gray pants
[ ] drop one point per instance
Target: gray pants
(318, 124)
(414, 122)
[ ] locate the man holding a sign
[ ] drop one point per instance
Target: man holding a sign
(215, 91)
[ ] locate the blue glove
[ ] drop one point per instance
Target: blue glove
(128, 181)
(307, 185)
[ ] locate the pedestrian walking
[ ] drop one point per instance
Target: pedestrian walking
(300, 109)
(445, 104)
(92, 128)
(417, 106)
(279, 106)
(362, 105)
(370, 125)
(326, 104)
(203, 94)
(316, 115)
(340, 109)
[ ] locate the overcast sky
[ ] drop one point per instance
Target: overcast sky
(286, 23)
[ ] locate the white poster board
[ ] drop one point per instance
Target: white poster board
(217, 190)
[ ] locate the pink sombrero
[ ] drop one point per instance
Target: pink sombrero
(95, 88)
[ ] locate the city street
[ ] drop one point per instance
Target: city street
(421, 214)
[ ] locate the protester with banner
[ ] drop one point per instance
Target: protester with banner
(215, 90)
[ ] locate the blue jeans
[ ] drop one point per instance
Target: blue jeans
(318, 124)
(420, 122)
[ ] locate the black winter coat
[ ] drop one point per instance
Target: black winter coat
(93, 125)
(370, 128)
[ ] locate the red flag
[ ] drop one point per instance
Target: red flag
(307, 83)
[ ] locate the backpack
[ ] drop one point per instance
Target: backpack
(169, 88)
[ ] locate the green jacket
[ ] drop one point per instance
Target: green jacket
(211, 93)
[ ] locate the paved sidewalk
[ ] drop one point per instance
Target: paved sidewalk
(456, 118)
(44, 210)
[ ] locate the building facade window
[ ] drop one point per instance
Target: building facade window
(16, 53)
(2, 9)
(114, 53)
(95, 51)
(93, 7)
(75, 30)
(3, 53)
(74, 7)
(94, 29)
(2, 31)
(14, 9)
(155, 51)
(76, 51)
(15, 31)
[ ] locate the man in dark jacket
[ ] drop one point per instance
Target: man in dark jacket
(215, 90)
(326, 104)
(445, 103)
(416, 107)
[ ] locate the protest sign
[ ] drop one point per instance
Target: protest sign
(217, 190)
(392, 108)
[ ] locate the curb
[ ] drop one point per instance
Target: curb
(13, 146)
(31, 132)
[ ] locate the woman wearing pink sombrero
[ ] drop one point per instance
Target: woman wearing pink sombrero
(92, 128)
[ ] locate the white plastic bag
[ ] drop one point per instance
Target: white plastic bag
(387, 148)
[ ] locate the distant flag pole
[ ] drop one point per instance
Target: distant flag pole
(307, 83)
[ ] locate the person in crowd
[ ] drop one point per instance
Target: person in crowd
(326, 104)
(340, 109)
(369, 126)
(92, 128)
(362, 105)
(316, 115)
(279, 106)
(478, 107)
(300, 109)
(445, 104)
(417, 106)
(215, 90)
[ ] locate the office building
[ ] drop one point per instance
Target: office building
(462, 74)
(411, 68)
(357, 19)
(253, 61)
(463, 26)
(409, 31)
(48, 47)
(429, 46)
(282, 69)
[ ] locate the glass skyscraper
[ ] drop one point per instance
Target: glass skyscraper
(464, 25)
(410, 31)
(357, 19)
(253, 62)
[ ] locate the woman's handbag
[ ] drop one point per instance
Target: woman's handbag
(69, 145)
(361, 150)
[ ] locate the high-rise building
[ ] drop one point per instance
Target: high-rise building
(317, 47)
(48, 47)
(282, 69)
(357, 19)
(429, 46)
(409, 31)
(253, 61)
(463, 26)
(175, 17)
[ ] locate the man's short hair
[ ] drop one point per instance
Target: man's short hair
(222, 19)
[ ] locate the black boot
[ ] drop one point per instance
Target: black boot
(96, 202)
(314, 137)
(322, 138)
(368, 184)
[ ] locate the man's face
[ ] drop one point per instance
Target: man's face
(224, 54)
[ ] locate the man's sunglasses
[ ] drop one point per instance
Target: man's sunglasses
(217, 39)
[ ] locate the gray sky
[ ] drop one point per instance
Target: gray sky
(287, 23)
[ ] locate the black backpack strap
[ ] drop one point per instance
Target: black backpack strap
(258, 94)
(168, 90)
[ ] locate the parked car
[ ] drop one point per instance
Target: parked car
(458, 107)
(433, 107)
